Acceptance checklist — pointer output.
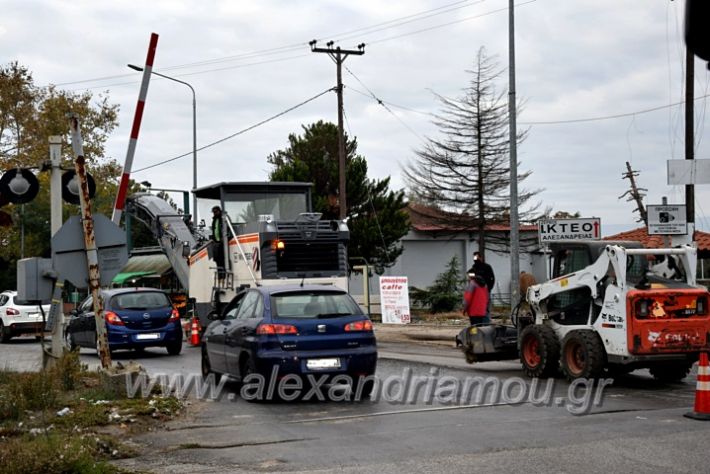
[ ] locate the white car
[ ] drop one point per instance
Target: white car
(19, 317)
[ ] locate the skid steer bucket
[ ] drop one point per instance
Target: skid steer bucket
(486, 342)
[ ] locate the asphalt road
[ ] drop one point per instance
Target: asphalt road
(637, 425)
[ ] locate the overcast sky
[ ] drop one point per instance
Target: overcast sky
(249, 60)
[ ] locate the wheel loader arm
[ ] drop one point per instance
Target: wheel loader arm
(589, 277)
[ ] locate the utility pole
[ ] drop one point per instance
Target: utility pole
(514, 238)
(92, 255)
(689, 137)
(635, 193)
(338, 55)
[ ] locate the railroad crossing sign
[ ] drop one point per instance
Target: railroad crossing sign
(551, 230)
(69, 251)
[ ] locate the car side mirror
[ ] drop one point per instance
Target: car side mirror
(214, 316)
(73, 313)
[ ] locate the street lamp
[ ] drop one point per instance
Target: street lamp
(194, 137)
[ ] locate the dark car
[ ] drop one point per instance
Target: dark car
(136, 318)
(309, 330)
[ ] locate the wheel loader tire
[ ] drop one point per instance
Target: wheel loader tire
(670, 372)
(539, 351)
(583, 355)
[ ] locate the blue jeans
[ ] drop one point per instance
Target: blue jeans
(479, 320)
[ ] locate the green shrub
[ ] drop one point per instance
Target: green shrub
(445, 294)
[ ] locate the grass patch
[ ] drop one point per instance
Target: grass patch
(52, 421)
(60, 452)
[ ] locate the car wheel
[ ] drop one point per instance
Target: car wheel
(69, 341)
(174, 348)
(205, 366)
(5, 335)
(362, 388)
(248, 368)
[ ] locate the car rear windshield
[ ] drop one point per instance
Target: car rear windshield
(313, 304)
(141, 300)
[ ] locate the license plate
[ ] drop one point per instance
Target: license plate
(147, 337)
(34, 315)
(333, 363)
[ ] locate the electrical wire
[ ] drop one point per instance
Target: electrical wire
(607, 117)
(549, 122)
(379, 101)
(404, 20)
(294, 46)
(229, 137)
(435, 27)
(238, 66)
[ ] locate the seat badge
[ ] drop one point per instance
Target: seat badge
(321, 328)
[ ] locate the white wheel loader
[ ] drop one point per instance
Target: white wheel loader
(609, 307)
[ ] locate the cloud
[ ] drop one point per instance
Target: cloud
(573, 59)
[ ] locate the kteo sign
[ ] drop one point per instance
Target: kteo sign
(551, 230)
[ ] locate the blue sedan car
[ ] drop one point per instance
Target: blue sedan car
(300, 330)
(136, 318)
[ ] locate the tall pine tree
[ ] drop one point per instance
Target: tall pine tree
(461, 181)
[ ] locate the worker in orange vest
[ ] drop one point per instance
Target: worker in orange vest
(475, 300)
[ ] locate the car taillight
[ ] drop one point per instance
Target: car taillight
(365, 325)
(112, 318)
(12, 312)
(264, 329)
(701, 307)
(174, 316)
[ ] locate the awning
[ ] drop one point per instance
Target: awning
(122, 278)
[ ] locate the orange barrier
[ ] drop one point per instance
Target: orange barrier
(702, 391)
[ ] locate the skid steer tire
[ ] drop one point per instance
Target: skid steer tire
(539, 351)
(670, 372)
(583, 355)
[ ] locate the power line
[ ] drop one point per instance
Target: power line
(442, 25)
(273, 117)
(405, 20)
(608, 117)
(548, 122)
(295, 46)
(382, 103)
(238, 66)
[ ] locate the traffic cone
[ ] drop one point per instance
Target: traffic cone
(195, 335)
(702, 391)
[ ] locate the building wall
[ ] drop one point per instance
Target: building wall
(425, 256)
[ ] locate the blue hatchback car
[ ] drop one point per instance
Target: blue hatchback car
(136, 318)
(310, 330)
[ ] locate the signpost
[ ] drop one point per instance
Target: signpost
(550, 230)
(394, 300)
(666, 219)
